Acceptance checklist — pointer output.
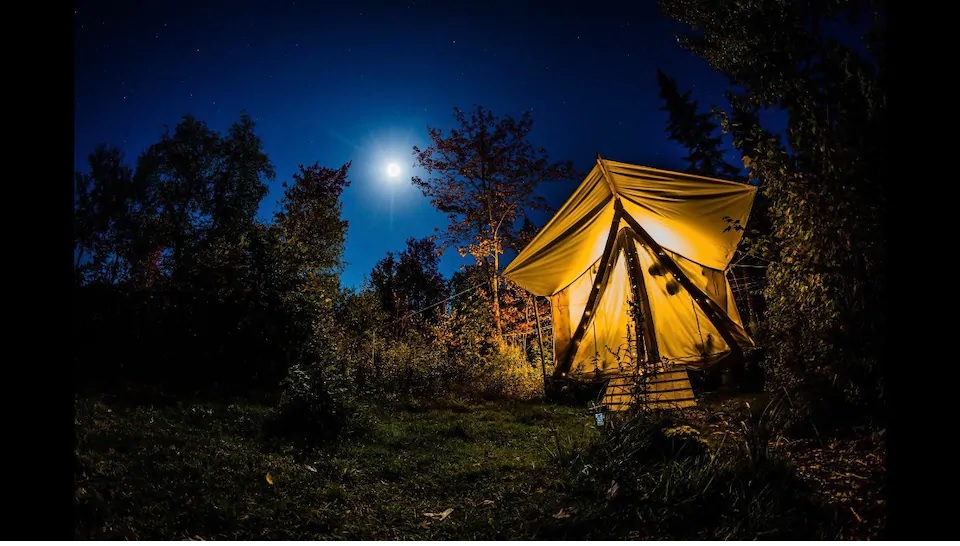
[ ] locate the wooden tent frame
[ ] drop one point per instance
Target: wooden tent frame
(617, 240)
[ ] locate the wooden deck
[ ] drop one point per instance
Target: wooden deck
(660, 390)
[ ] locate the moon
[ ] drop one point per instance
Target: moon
(393, 170)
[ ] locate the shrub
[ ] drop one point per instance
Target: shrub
(314, 407)
(413, 367)
(507, 374)
(653, 471)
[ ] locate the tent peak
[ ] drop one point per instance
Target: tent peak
(607, 178)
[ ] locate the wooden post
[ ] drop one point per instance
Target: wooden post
(373, 357)
(543, 367)
(651, 350)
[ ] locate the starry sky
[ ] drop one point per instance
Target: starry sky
(361, 81)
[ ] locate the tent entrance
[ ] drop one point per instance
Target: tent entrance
(615, 333)
(637, 307)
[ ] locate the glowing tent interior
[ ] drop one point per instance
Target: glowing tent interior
(634, 265)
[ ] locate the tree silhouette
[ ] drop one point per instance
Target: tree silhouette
(482, 174)
(103, 203)
(410, 282)
(312, 229)
(824, 178)
(180, 284)
(696, 131)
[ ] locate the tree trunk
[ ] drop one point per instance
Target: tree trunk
(114, 268)
(496, 292)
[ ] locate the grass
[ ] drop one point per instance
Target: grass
(201, 471)
(498, 470)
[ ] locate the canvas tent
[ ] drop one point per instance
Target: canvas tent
(634, 265)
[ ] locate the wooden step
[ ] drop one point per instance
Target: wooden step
(666, 389)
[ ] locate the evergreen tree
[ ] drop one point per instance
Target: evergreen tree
(695, 131)
(825, 180)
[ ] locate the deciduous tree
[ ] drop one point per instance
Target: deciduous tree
(482, 174)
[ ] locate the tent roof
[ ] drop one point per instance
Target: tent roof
(684, 213)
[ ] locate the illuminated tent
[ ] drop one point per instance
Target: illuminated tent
(640, 254)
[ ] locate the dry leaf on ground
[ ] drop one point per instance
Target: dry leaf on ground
(613, 490)
(439, 515)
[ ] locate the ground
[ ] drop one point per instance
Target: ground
(201, 471)
(845, 471)
(485, 471)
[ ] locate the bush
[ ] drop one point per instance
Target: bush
(436, 363)
(314, 408)
(507, 374)
(413, 367)
(653, 472)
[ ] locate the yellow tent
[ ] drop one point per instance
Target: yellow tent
(639, 254)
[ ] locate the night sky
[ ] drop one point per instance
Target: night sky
(362, 81)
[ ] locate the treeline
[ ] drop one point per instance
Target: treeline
(182, 287)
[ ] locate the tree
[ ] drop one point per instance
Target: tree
(383, 283)
(103, 203)
(312, 231)
(173, 260)
(695, 131)
(419, 278)
(170, 255)
(825, 180)
(410, 282)
(483, 175)
(200, 191)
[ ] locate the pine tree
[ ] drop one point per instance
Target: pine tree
(695, 131)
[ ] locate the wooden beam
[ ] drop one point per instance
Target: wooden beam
(606, 177)
(599, 284)
(651, 351)
(642, 298)
(724, 325)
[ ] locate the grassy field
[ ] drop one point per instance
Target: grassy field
(488, 471)
(202, 471)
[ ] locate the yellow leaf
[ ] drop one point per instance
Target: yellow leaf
(269, 478)
(441, 515)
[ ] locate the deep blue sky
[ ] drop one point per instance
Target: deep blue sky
(362, 81)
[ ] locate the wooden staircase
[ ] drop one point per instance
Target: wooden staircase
(665, 389)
